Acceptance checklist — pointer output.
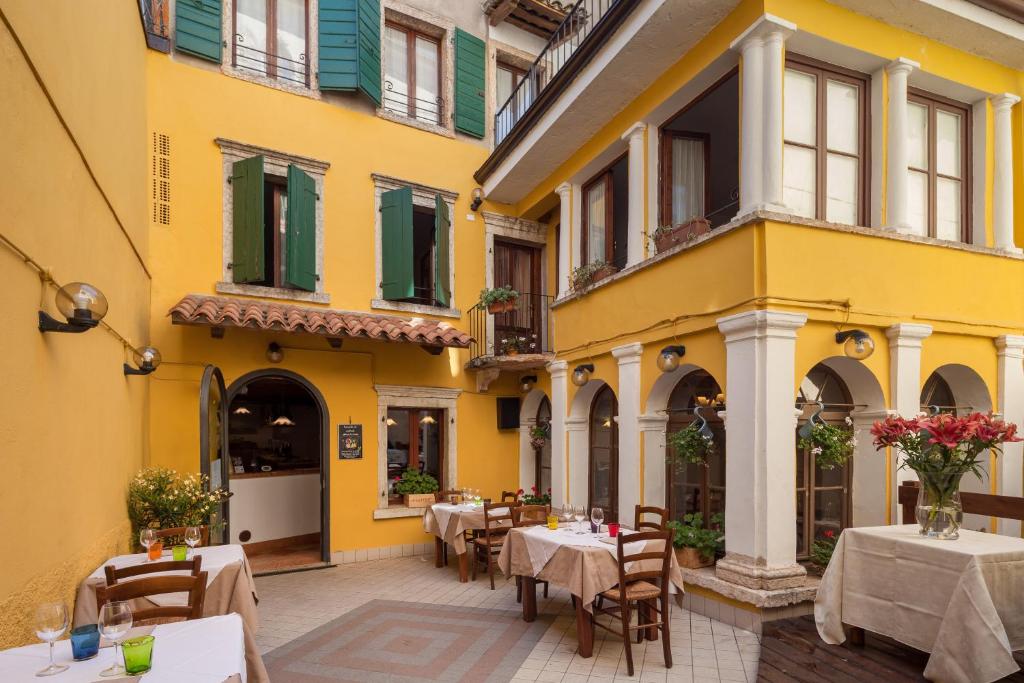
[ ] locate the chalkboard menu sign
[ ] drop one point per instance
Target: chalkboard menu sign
(350, 442)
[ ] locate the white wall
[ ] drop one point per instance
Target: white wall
(275, 507)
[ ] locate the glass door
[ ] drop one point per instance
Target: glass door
(213, 451)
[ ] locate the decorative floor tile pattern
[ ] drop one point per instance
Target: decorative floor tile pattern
(293, 605)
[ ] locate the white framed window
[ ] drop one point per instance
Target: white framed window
(938, 140)
(270, 38)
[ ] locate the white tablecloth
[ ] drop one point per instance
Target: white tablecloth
(207, 650)
(542, 543)
(962, 601)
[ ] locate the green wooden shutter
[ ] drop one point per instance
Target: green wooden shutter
(247, 263)
(396, 243)
(469, 84)
(197, 28)
(442, 270)
(300, 245)
(350, 46)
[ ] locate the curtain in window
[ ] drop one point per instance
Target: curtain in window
(427, 87)
(291, 40)
(687, 179)
(596, 218)
(948, 169)
(396, 70)
(251, 35)
(799, 161)
(842, 137)
(917, 153)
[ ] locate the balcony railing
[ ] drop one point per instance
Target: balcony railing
(578, 24)
(155, 24)
(525, 330)
(396, 99)
(251, 58)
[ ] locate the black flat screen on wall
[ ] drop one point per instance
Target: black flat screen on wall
(508, 413)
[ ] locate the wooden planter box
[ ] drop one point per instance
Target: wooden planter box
(605, 271)
(684, 232)
(503, 306)
(689, 558)
(419, 500)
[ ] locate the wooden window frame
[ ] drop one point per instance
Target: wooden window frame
(934, 104)
(414, 441)
(602, 176)
(518, 75)
(270, 48)
(410, 66)
(824, 72)
(665, 186)
(613, 474)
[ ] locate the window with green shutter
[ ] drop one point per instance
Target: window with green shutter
(470, 84)
(415, 249)
(300, 220)
(396, 244)
(349, 46)
(197, 28)
(247, 226)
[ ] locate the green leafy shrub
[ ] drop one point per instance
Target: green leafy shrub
(831, 445)
(497, 295)
(691, 533)
(822, 549)
(160, 498)
(688, 445)
(413, 482)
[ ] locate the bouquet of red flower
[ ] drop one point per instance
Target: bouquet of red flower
(535, 497)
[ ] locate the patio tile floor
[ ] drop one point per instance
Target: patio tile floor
(291, 605)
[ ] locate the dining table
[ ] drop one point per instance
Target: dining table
(958, 600)
(208, 650)
(586, 564)
(230, 589)
(449, 522)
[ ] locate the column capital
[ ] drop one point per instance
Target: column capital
(760, 323)
(908, 334)
(628, 352)
(767, 25)
(557, 368)
(636, 130)
(901, 65)
(1003, 102)
(1011, 345)
(563, 191)
(652, 423)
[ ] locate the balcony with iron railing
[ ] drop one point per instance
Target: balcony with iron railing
(275, 66)
(520, 338)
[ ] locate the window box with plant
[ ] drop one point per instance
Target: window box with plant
(416, 488)
(516, 344)
(695, 544)
(589, 274)
(668, 236)
(499, 299)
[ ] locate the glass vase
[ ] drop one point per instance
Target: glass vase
(939, 511)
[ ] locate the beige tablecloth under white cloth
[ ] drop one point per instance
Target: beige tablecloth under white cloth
(450, 522)
(962, 601)
(229, 589)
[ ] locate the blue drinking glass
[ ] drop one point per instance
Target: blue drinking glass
(85, 642)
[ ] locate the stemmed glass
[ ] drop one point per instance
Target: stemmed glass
(51, 622)
(115, 622)
(580, 513)
(146, 538)
(597, 518)
(192, 538)
(567, 513)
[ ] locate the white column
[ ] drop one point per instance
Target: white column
(760, 513)
(751, 130)
(629, 357)
(1010, 480)
(774, 58)
(559, 407)
(565, 236)
(652, 436)
(905, 341)
(896, 197)
(635, 230)
(1002, 182)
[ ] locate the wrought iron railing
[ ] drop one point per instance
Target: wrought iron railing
(578, 24)
(395, 100)
(525, 329)
(155, 24)
(259, 61)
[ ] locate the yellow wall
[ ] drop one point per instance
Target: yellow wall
(74, 428)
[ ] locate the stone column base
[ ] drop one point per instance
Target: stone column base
(746, 571)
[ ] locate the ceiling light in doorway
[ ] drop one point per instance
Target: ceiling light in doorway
(428, 420)
(526, 383)
(275, 354)
(668, 358)
(281, 417)
(242, 410)
(857, 344)
(581, 374)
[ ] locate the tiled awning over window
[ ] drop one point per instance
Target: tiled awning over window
(216, 311)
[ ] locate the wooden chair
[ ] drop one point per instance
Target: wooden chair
(193, 566)
(195, 586)
(985, 504)
(509, 497)
(497, 522)
(529, 515)
(646, 588)
(640, 523)
(179, 532)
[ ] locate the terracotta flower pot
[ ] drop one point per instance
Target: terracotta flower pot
(503, 306)
(691, 559)
(684, 232)
(603, 272)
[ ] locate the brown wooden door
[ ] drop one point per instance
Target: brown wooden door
(518, 266)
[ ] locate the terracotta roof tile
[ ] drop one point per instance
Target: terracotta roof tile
(198, 309)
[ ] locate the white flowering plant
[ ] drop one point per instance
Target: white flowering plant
(688, 445)
(161, 498)
(831, 445)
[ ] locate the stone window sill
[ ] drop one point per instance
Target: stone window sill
(416, 123)
(273, 292)
(405, 307)
(397, 512)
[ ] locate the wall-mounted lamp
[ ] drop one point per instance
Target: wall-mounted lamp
(146, 360)
(275, 354)
(82, 304)
(526, 383)
(668, 358)
(581, 374)
(857, 344)
(478, 198)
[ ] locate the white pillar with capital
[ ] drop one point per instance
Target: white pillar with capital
(653, 430)
(629, 357)
(760, 513)
(564, 192)
(905, 341)
(1010, 480)
(897, 194)
(635, 230)
(559, 407)
(1002, 182)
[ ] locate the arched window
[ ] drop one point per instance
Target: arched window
(937, 396)
(822, 496)
(604, 454)
(695, 488)
(543, 462)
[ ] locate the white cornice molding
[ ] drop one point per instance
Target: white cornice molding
(766, 25)
(760, 323)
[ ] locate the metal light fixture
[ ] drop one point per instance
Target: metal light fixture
(390, 422)
(581, 374)
(146, 360)
(242, 410)
(275, 354)
(282, 417)
(428, 420)
(857, 344)
(668, 358)
(82, 304)
(527, 382)
(478, 198)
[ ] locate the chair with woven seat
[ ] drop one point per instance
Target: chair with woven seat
(639, 523)
(115, 574)
(529, 515)
(195, 586)
(484, 547)
(644, 585)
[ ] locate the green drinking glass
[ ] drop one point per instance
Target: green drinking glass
(138, 654)
(178, 553)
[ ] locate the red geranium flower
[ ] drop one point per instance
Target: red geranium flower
(830, 534)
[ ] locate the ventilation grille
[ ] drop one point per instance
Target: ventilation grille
(161, 179)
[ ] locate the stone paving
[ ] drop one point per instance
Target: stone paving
(291, 605)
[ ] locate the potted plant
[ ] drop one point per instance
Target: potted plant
(161, 498)
(821, 551)
(416, 488)
(831, 445)
(689, 445)
(535, 497)
(941, 449)
(539, 436)
(668, 236)
(499, 299)
(516, 344)
(696, 545)
(590, 273)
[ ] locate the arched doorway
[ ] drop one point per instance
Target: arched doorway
(695, 488)
(823, 496)
(278, 458)
(604, 454)
(542, 466)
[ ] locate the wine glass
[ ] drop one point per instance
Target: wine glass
(580, 513)
(192, 537)
(146, 538)
(597, 518)
(51, 622)
(115, 622)
(566, 513)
